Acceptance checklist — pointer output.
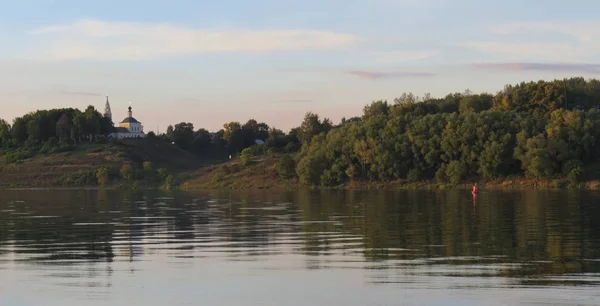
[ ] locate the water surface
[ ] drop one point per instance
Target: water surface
(299, 248)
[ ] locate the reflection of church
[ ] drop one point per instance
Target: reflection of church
(128, 128)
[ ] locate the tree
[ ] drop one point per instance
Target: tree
(376, 109)
(475, 103)
(312, 126)
(170, 131)
(286, 167)
(5, 133)
(64, 127)
(79, 129)
(233, 134)
(183, 135)
(202, 142)
(92, 126)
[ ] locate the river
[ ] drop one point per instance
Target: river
(103, 247)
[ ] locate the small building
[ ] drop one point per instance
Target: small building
(128, 127)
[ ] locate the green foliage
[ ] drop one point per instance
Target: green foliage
(102, 175)
(183, 135)
(286, 167)
(455, 171)
(81, 178)
(313, 126)
(65, 125)
(575, 175)
(148, 168)
(540, 129)
(170, 182)
(17, 156)
(246, 156)
(523, 130)
(162, 173)
(127, 172)
(61, 147)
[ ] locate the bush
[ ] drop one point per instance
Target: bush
(162, 173)
(17, 156)
(170, 182)
(291, 147)
(217, 177)
(456, 171)
(135, 185)
(246, 156)
(575, 175)
(61, 147)
(127, 172)
(46, 148)
(102, 175)
(286, 167)
(148, 169)
(413, 175)
(81, 177)
(571, 165)
(440, 174)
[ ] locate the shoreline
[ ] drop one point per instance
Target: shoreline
(509, 184)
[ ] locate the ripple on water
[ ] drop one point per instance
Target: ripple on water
(336, 246)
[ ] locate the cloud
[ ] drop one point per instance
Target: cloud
(363, 74)
(102, 40)
(554, 67)
(373, 75)
(403, 56)
(508, 46)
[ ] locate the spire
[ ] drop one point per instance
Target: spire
(129, 109)
(107, 112)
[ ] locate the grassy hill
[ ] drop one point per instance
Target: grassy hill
(78, 167)
(261, 173)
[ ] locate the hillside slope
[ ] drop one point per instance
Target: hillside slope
(78, 167)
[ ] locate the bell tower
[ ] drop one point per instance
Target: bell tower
(107, 112)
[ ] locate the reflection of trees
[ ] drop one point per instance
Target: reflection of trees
(559, 227)
(550, 230)
(41, 223)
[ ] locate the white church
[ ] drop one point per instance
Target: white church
(128, 128)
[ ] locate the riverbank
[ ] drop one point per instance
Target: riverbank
(79, 169)
(263, 173)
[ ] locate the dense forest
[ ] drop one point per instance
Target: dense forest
(534, 129)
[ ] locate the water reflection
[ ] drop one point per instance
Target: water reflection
(411, 239)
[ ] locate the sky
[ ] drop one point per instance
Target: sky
(211, 62)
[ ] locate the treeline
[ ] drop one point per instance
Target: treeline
(539, 129)
(235, 137)
(534, 129)
(68, 125)
(51, 131)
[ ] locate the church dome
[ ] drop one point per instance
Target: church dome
(129, 120)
